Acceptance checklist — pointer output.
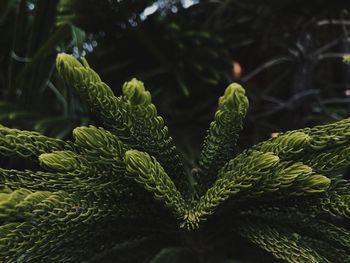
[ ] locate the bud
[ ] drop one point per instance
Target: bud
(136, 93)
(234, 99)
(90, 137)
(346, 59)
(62, 161)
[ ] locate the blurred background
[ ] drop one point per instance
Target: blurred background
(287, 55)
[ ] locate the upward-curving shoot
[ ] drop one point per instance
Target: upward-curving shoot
(120, 190)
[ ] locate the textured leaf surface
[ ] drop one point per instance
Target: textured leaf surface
(121, 191)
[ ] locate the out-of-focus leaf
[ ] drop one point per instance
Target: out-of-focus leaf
(5, 7)
(174, 255)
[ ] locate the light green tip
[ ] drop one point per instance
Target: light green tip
(234, 98)
(318, 183)
(90, 136)
(136, 160)
(134, 90)
(346, 59)
(64, 60)
(59, 161)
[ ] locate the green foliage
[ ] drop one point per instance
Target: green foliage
(223, 132)
(31, 95)
(346, 59)
(120, 193)
(283, 244)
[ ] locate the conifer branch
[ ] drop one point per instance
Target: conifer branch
(332, 162)
(28, 144)
(327, 250)
(313, 227)
(124, 182)
(286, 146)
(42, 222)
(132, 117)
(146, 171)
(222, 136)
(256, 173)
(282, 243)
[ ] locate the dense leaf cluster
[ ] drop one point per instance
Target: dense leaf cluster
(123, 185)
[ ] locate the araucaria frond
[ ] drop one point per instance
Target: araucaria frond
(121, 189)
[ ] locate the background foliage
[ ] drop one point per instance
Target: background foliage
(184, 51)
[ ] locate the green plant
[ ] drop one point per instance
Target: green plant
(31, 95)
(120, 193)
